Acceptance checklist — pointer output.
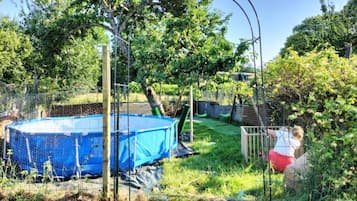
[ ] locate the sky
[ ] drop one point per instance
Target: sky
(277, 19)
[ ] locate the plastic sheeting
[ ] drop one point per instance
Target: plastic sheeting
(71, 146)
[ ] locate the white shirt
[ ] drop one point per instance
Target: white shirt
(286, 143)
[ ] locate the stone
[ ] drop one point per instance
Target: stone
(295, 173)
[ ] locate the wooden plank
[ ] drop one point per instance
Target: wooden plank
(106, 122)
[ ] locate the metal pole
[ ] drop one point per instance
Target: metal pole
(263, 92)
(255, 74)
(252, 35)
(116, 115)
(106, 121)
(260, 41)
(128, 120)
(117, 111)
(191, 114)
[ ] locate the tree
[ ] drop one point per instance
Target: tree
(183, 49)
(15, 49)
(178, 42)
(64, 58)
(174, 42)
(331, 29)
(55, 25)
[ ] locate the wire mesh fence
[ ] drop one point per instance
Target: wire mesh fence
(31, 156)
(18, 107)
(47, 149)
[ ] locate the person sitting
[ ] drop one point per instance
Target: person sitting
(287, 141)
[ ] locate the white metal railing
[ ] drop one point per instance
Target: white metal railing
(254, 141)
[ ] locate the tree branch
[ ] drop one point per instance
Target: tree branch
(82, 26)
(106, 6)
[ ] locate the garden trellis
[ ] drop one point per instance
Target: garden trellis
(263, 121)
(125, 46)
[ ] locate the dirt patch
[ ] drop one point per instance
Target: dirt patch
(81, 196)
(89, 189)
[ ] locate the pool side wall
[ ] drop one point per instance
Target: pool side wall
(81, 153)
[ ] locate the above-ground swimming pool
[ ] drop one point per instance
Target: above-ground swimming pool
(73, 145)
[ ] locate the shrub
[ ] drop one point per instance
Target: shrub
(319, 90)
(135, 87)
(167, 89)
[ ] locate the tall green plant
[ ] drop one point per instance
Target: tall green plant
(319, 91)
(15, 49)
(66, 55)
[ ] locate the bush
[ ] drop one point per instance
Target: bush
(134, 87)
(320, 92)
(167, 89)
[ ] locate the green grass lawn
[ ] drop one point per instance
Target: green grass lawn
(219, 171)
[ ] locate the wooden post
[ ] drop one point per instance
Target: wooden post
(106, 121)
(191, 114)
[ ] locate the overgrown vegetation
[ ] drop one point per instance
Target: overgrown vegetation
(319, 91)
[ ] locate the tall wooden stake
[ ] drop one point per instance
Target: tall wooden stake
(106, 122)
(191, 114)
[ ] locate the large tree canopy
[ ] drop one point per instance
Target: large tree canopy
(336, 29)
(15, 49)
(182, 49)
(178, 42)
(63, 58)
(172, 42)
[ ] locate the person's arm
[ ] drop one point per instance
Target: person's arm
(272, 133)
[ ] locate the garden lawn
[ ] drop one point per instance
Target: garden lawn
(219, 171)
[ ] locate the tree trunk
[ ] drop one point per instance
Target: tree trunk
(233, 108)
(178, 103)
(153, 98)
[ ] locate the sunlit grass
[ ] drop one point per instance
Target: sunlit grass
(94, 97)
(84, 98)
(98, 98)
(218, 171)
